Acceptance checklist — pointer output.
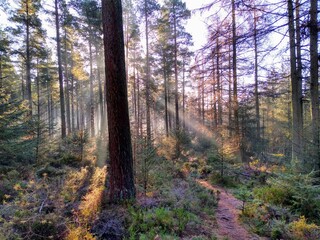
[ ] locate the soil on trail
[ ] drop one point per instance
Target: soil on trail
(227, 215)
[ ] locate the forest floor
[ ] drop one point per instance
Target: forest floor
(227, 214)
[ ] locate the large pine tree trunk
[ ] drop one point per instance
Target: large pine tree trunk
(314, 78)
(62, 106)
(120, 152)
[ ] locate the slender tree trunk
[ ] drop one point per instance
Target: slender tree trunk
(176, 94)
(299, 71)
(314, 78)
(72, 93)
(183, 96)
(38, 113)
(147, 73)
(66, 75)
(214, 93)
(219, 88)
(166, 117)
(234, 71)
(120, 152)
(230, 94)
(91, 89)
(62, 106)
(296, 107)
(202, 99)
(28, 61)
(256, 80)
(101, 103)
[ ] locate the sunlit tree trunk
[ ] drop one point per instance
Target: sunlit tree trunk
(101, 102)
(62, 106)
(66, 75)
(92, 128)
(147, 73)
(120, 152)
(166, 117)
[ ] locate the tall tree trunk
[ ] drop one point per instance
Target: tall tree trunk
(101, 103)
(183, 96)
(38, 113)
(91, 89)
(166, 117)
(219, 88)
(230, 122)
(234, 71)
(72, 93)
(28, 61)
(256, 83)
(147, 73)
(296, 107)
(120, 152)
(66, 75)
(176, 95)
(314, 78)
(62, 106)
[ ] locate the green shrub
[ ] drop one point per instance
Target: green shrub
(279, 229)
(273, 194)
(146, 224)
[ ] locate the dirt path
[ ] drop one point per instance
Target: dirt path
(227, 215)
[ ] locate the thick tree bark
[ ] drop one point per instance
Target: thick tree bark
(62, 106)
(120, 152)
(314, 78)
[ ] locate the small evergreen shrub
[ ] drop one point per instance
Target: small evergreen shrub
(273, 194)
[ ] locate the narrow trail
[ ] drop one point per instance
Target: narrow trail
(227, 215)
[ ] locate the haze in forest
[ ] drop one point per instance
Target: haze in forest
(159, 119)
